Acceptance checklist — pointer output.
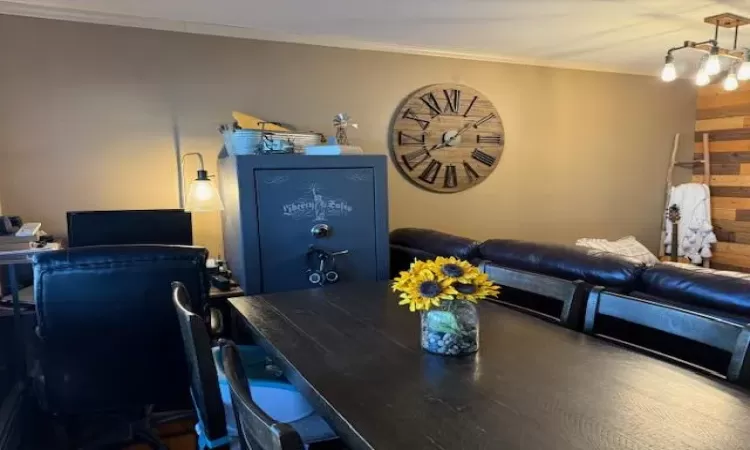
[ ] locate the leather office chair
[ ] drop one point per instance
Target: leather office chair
(257, 430)
(272, 393)
(109, 337)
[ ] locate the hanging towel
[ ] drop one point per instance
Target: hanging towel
(695, 230)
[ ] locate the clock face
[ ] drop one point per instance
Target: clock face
(447, 138)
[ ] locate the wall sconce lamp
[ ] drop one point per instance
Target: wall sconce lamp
(202, 196)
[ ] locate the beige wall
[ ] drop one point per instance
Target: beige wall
(87, 114)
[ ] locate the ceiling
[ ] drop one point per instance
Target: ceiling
(629, 36)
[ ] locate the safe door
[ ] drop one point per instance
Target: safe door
(316, 226)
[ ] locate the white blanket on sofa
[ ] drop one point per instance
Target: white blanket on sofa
(695, 230)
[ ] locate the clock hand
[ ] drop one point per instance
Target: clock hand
(459, 133)
(465, 127)
(450, 141)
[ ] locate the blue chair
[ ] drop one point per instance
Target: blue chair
(211, 392)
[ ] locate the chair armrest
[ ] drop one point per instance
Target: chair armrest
(215, 321)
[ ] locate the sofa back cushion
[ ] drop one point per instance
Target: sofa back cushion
(435, 243)
(402, 257)
(699, 288)
(566, 262)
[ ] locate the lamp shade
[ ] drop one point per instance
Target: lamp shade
(203, 196)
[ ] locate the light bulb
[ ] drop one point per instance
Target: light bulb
(730, 82)
(743, 73)
(702, 78)
(203, 196)
(669, 72)
(203, 190)
(713, 65)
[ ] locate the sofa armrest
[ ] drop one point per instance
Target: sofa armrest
(435, 242)
(402, 257)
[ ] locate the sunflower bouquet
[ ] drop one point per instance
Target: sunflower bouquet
(445, 291)
(429, 283)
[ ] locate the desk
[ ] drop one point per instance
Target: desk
(533, 385)
(217, 294)
(10, 259)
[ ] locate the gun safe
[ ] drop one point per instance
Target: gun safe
(296, 222)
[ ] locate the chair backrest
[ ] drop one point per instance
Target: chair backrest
(730, 336)
(257, 430)
(204, 380)
(572, 294)
(110, 338)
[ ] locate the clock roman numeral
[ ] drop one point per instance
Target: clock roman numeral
(423, 123)
(453, 99)
(473, 100)
(432, 103)
(484, 119)
(408, 139)
(451, 177)
(495, 139)
(482, 157)
(413, 159)
(471, 174)
(430, 173)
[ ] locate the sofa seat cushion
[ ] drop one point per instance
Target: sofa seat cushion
(731, 295)
(435, 242)
(566, 262)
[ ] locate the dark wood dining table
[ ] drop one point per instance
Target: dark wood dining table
(356, 356)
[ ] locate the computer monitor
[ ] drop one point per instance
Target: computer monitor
(156, 226)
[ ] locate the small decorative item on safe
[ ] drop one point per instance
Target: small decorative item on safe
(445, 291)
(341, 122)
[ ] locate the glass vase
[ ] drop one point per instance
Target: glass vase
(451, 329)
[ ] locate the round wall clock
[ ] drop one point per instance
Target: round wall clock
(447, 138)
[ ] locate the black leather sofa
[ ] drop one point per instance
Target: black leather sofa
(547, 280)
(669, 309)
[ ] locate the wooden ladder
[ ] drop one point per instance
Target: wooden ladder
(687, 165)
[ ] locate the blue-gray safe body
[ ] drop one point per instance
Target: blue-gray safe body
(272, 203)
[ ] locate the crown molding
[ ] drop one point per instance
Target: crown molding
(78, 15)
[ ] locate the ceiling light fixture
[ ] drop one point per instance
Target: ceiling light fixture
(731, 83)
(669, 72)
(711, 63)
(702, 78)
(743, 73)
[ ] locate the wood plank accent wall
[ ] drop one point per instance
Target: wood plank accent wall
(726, 117)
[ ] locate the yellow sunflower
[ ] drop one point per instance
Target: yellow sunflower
(479, 288)
(456, 270)
(426, 289)
(406, 278)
